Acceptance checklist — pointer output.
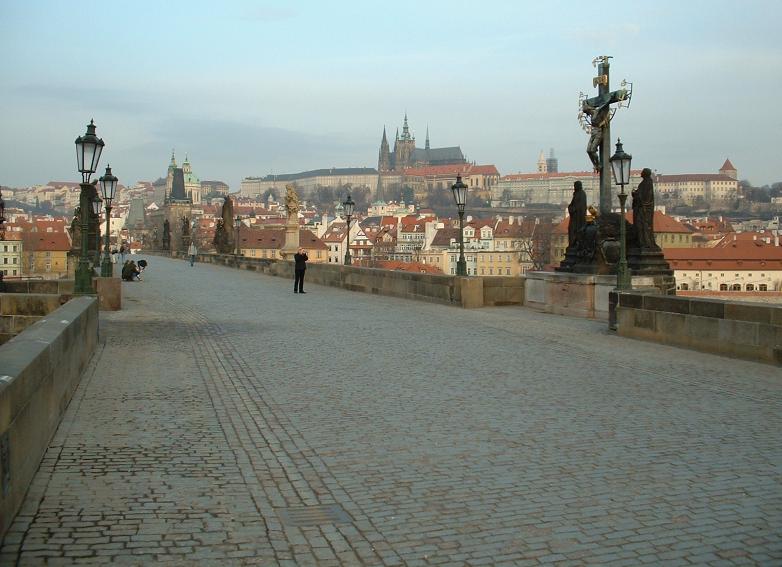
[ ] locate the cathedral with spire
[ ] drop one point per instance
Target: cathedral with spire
(405, 154)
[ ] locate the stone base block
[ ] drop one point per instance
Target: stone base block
(109, 293)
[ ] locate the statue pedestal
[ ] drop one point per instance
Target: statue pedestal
(291, 245)
(582, 295)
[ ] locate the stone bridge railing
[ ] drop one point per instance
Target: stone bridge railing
(39, 371)
(469, 292)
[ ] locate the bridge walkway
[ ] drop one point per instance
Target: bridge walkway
(225, 420)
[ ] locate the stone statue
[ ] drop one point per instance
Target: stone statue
(291, 201)
(185, 226)
(166, 235)
(227, 213)
(643, 211)
(577, 210)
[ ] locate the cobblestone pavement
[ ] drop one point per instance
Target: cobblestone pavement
(225, 420)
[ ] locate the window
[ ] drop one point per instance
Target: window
(507, 271)
(684, 287)
(735, 287)
(761, 287)
(723, 287)
(750, 287)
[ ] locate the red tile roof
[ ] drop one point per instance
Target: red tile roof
(727, 165)
(408, 266)
(46, 241)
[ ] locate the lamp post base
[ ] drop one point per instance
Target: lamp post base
(107, 268)
(461, 267)
(83, 278)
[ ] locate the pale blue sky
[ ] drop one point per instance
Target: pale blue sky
(247, 88)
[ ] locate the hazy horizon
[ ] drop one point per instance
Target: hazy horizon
(248, 88)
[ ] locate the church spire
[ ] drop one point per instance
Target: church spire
(426, 147)
(405, 129)
(173, 159)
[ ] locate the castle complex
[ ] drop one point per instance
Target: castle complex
(406, 155)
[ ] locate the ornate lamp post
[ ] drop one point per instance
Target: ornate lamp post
(108, 184)
(620, 165)
(348, 206)
(97, 205)
(88, 150)
(460, 196)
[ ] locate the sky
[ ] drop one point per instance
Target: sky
(249, 88)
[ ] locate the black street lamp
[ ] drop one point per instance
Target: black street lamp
(620, 165)
(97, 205)
(108, 184)
(348, 206)
(460, 196)
(88, 150)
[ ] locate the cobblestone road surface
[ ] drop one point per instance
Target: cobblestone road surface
(225, 420)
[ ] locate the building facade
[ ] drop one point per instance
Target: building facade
(11, 255)
(695, 188)
(307, 182)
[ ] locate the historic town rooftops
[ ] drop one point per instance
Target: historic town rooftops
(332, 172)
(727, 166)
(444, 236)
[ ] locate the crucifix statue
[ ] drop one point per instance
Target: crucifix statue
(595, 115)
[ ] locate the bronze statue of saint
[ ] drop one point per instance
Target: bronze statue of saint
(643, 210)
(599, 117)
(577, 210)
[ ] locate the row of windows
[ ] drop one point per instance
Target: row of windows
(14, 248)
(696, 274)
(9, 272)
(732, 287)
(5, 260)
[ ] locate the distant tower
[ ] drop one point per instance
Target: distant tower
(404, 148)
(170, 175)
(192, 183)
(426, 147)
(728, 169)
(542, 168)
(552, 163)
(384, 158)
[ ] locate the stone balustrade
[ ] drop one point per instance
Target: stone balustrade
(39, 371)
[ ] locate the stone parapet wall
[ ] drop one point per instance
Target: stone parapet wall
(468, 292)
(744, 330)
(39, 371)
(20, 310)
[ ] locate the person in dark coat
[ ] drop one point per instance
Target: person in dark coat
(300, 258)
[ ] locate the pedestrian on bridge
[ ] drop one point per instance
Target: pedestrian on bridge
(192, 251)
(300, 259)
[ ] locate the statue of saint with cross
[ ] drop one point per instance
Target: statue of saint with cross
(595, 115)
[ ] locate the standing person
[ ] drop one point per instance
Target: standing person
(192, 251)
(300, 258)
(122, 253)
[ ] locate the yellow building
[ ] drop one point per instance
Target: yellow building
(46, 253)
(268, 242)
